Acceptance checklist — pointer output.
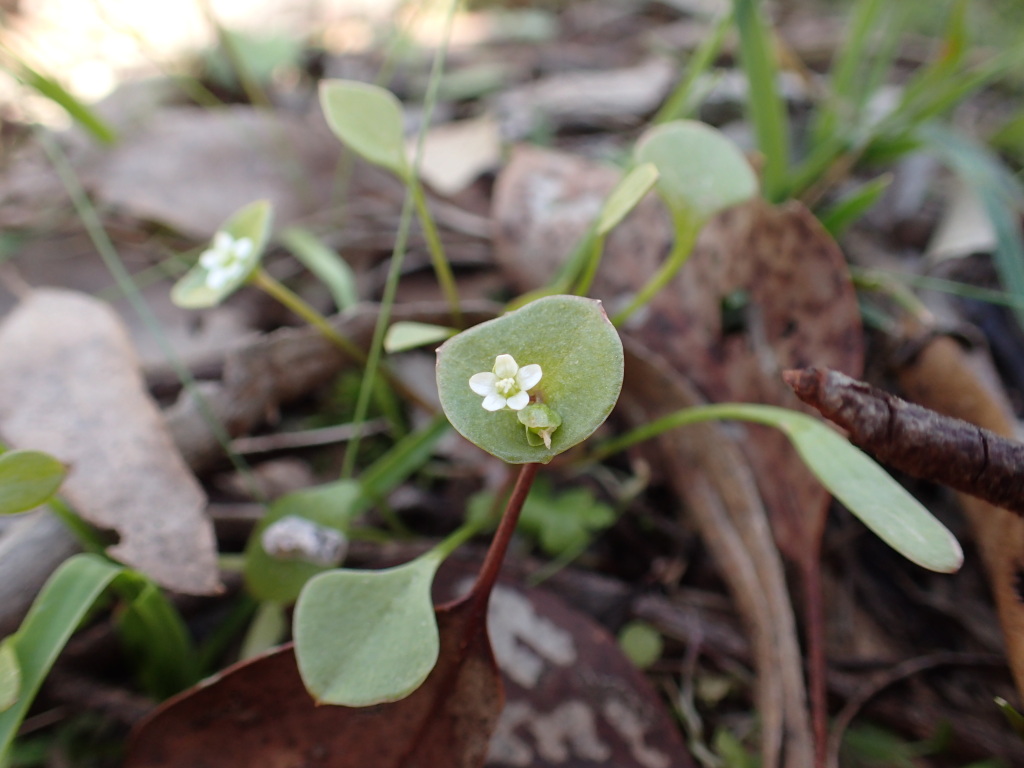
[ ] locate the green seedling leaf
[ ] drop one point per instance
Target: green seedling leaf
(641, 642)
(28, 479)
(57, 611)
(1013, 717)
(849, 474)
(332, 270)
(854, 205)
(701, 172)
(367, 637)
(280, 579)
(10, 675)
(581, 365)
(368, 120)
(233, 254)
(80, 113)
(156, 638)
(625, 197)
(405, 335)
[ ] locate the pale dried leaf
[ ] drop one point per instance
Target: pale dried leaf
(70, 386)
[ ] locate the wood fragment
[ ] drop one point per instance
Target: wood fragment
(916, 440)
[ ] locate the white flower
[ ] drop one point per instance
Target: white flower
(506, 385)
(226, 260)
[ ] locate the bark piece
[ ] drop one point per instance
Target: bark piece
(70, 386)
(917, 440)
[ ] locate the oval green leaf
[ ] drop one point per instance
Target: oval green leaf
(863, 487)
(329, 268)
(332, 505)
(580, 355)
(405, 335)
(701, 171)
(252, 223)
(624, 198)
(367, 637)
(28, 479)
(368, 120)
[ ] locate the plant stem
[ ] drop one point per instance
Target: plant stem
(503, 536)
(687, 230)
(272, 287)
(261, 279)
(442, 269)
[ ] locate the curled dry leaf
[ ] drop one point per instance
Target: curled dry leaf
(70, 386)
(944, 377)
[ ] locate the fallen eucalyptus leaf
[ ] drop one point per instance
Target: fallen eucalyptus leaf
(70, 386)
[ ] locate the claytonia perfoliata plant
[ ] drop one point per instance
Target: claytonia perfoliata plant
(226, 260)
(506, 386)
(526, 417)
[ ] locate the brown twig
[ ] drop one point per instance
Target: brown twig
(916, 440)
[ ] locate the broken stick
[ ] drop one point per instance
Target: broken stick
(916, 440)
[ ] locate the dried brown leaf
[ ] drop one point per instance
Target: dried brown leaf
(70, 386)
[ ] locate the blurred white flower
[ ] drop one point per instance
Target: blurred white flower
(226, 260)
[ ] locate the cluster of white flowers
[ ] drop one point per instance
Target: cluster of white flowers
(506, 385)
(226, 260)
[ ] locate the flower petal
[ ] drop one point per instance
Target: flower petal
(222, 241)
(528, 376)
(505, 366)
(483, 383)
(243, 248)
(518, 401)
(210, 258)
(494, 402)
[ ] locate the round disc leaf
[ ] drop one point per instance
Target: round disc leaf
(28, 479)
(701, 171)
(367, 637)
(368, 120)
(580, 356)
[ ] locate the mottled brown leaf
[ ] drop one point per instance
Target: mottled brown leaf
(70, 386)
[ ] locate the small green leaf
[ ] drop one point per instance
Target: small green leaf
(332, 505)
(155, 638)
(28, 479)
(405, 335)
(10, 675)
(852, 206)
(624, 198)
(246, 232)
(641, 642)
(367, 637)
(332, 270)
(864, 488)
(368, 120)
(57, 611)
(849, 474)
(566, 522)
(581, 360)
(701, 171)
